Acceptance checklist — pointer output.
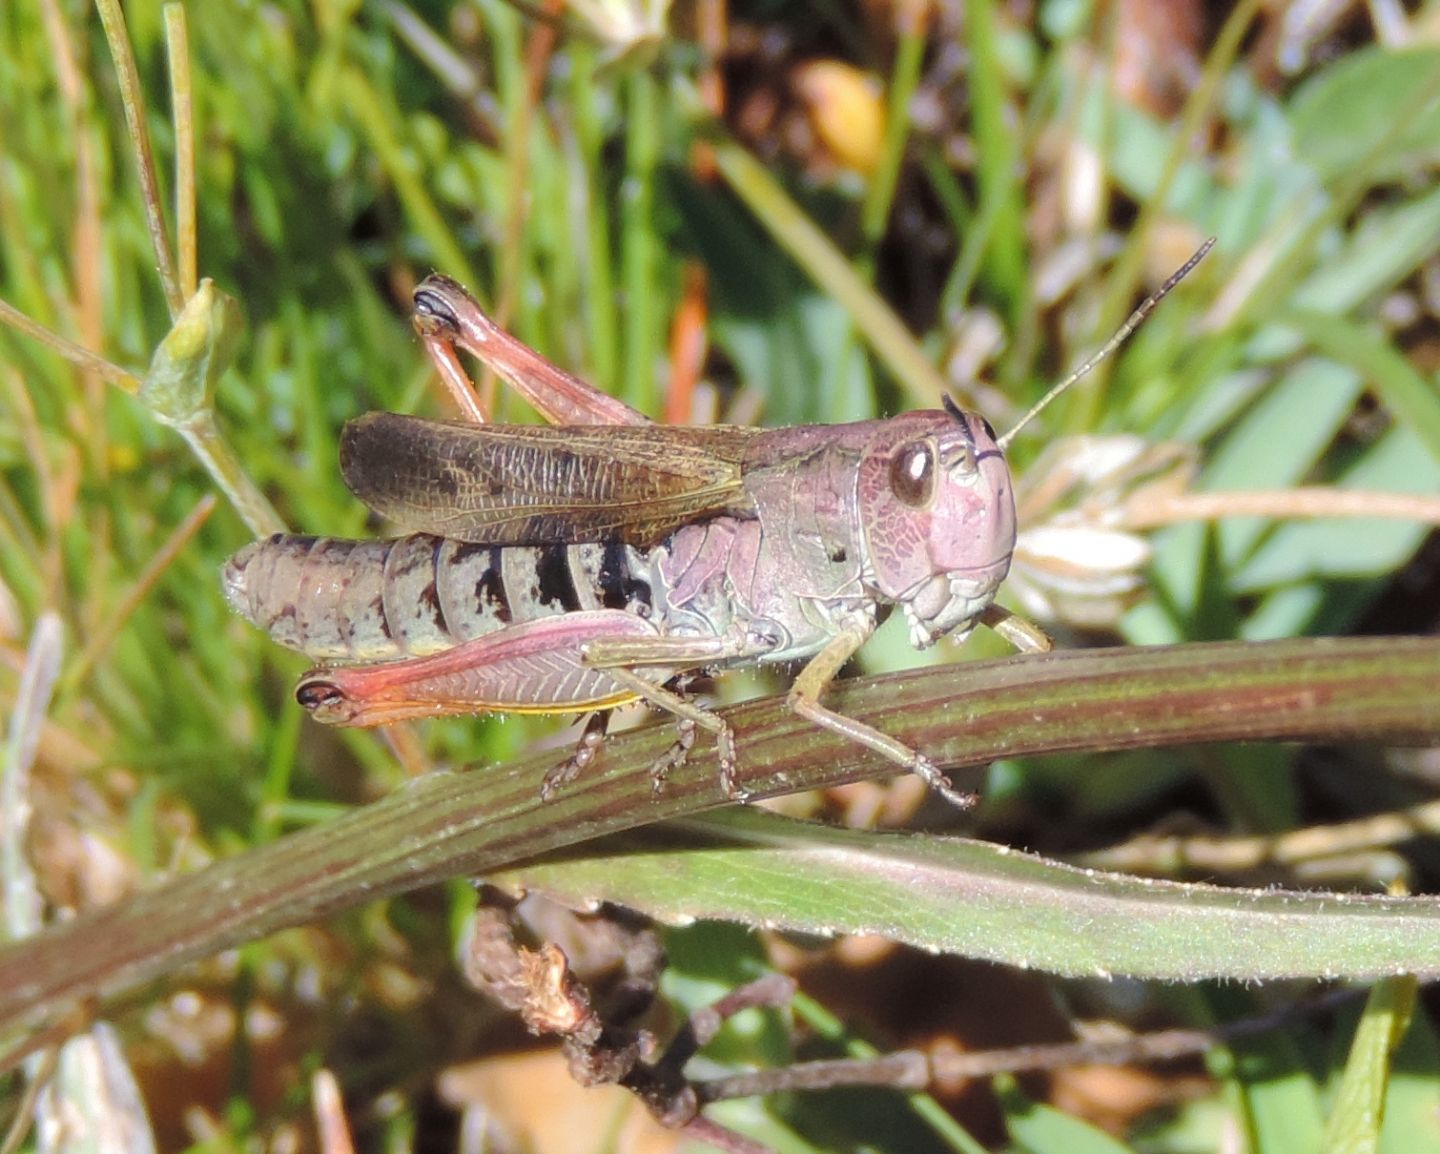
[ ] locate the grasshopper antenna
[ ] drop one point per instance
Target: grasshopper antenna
(1147, 306)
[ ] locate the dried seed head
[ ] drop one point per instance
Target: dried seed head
(1075, 561)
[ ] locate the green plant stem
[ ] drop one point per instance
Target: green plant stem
(1088, 399)
(122, 379)
(638, 242)
(829, 269)
(904, 79)
(359, 97)
(132, 96)
(997, 146)
(177, 44)
(213, 452)
(447, 825)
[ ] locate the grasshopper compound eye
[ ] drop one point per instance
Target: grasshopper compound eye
(912, 473)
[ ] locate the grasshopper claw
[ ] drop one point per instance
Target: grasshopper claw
(587, 748)
(674, 757)
(930, 774)
(556, 778)
(679, 751)
(725, 751)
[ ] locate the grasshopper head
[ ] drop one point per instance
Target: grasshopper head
(937, 517)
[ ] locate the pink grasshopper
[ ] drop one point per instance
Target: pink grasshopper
(590, 563)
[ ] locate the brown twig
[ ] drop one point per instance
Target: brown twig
(594, 1007)
(606, 1045)
(1152, 510)
(1172, 855)
(915, 1070)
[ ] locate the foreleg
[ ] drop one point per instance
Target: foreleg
(816, 677)
(1025, 635)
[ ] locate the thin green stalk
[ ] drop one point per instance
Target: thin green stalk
(106, 370)
(504, 32)
(904, 79)
(365, 106)
(639, 246)
(225, 469)
(996, 143)
(968, 263)
(1358, 1110)
(1088, 398)
(132, 97)
(798, 235)
(177, 43)
(599, 295)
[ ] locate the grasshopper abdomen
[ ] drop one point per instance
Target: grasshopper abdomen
(387, 600)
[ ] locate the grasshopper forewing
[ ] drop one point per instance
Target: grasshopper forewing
(545, 484)
(591, 563)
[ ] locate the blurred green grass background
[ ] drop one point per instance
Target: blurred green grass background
(1032, 188)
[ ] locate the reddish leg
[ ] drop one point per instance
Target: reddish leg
(447, 317)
